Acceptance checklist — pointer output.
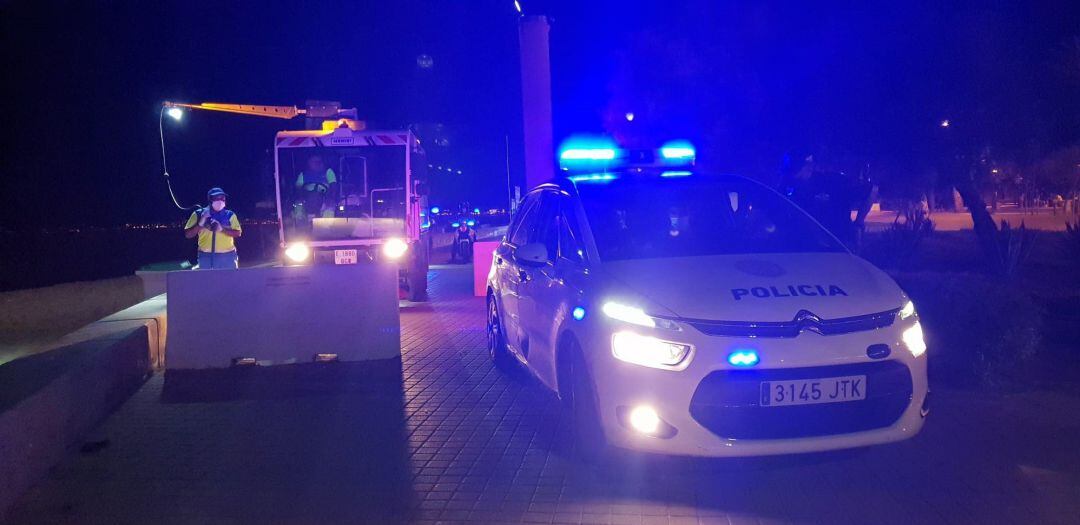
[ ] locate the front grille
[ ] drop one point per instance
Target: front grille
(803, 321)
(727, 402)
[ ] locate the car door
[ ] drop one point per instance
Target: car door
(508, 275)
(551, 292)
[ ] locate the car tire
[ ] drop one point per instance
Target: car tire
(579, 399)
(496, 340)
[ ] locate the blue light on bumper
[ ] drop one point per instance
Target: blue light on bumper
(743, 358)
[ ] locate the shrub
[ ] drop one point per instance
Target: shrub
(979, 330)
(1008, 249)
(1072, 240)
(898, 244)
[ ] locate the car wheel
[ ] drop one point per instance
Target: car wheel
(496, 341)
(579, 398)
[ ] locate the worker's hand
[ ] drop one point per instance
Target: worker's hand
(203, 216)
(215, 225)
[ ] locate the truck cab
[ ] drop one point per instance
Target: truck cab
(347, 195)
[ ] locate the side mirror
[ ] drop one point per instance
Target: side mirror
(532, 254)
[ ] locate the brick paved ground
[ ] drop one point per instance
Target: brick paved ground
(456, 440)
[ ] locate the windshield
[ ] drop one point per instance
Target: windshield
(333, 193)
(694, 216)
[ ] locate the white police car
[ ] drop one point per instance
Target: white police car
(690, 314)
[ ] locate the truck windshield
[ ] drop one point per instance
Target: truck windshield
(695, 216)
(333, 193)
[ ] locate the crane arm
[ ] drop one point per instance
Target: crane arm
(282, 112)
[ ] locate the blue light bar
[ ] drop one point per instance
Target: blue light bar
(456, 225)
(673, 174)
(678, 151)
(743, 358)
(435, 210)
(588, 154)
(593, 177)
(470, 222)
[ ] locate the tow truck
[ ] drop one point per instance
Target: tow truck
(371, 210)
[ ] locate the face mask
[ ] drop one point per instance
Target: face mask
(217, 205)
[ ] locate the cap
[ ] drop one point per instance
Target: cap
(214, 192)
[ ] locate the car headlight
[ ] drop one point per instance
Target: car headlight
(634, 315)
(907, 310)
(298, 252)
(913, 339)
(648, 351)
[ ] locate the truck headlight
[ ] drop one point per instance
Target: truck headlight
(913, 339)
(648, 351)
(395, 248)
(298, 252)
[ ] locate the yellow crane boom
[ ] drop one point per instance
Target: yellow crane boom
(282, 112)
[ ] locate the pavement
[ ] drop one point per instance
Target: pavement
(445, 437)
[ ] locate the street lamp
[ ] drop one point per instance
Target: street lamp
(945, 123)
(175, 113)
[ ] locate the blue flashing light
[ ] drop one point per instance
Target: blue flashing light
(456, 225)
(743, 358)
(673, 174)
(593, 177)
(476, 210)
(435, 210)
(678, 150)
(470, 222)
(588, 154)
(578, 313)
(425, 225)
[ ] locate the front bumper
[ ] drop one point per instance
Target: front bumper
(716, 410)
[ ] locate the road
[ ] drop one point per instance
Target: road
(451, 439)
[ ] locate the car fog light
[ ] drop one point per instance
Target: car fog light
(395, 248)
(647, 351)
(644, 419)
(298, 252)
(913, 339)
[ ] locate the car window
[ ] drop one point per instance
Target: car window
(521, 224)
(569, 245)
(545, 228)
(643, 218)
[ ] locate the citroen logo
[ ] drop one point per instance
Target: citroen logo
(805, 320)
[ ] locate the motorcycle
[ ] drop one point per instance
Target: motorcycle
(462, 249)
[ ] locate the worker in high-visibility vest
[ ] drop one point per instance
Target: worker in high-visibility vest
(216, 228)
(317, 185)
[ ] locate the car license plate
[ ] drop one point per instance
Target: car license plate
(344, 256)
(813, 391)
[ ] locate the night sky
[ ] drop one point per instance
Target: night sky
(748, 82)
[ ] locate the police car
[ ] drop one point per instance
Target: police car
(684, 313)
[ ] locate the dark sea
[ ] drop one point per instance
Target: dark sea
(31, 259)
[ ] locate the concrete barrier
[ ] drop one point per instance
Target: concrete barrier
(482, 258)
(282, 315)
(50, 401)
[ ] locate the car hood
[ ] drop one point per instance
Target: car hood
(763, 288)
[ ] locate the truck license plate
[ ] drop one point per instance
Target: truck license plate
(344, 256)
(813, 391)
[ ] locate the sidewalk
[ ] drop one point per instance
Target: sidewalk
(455, 440)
